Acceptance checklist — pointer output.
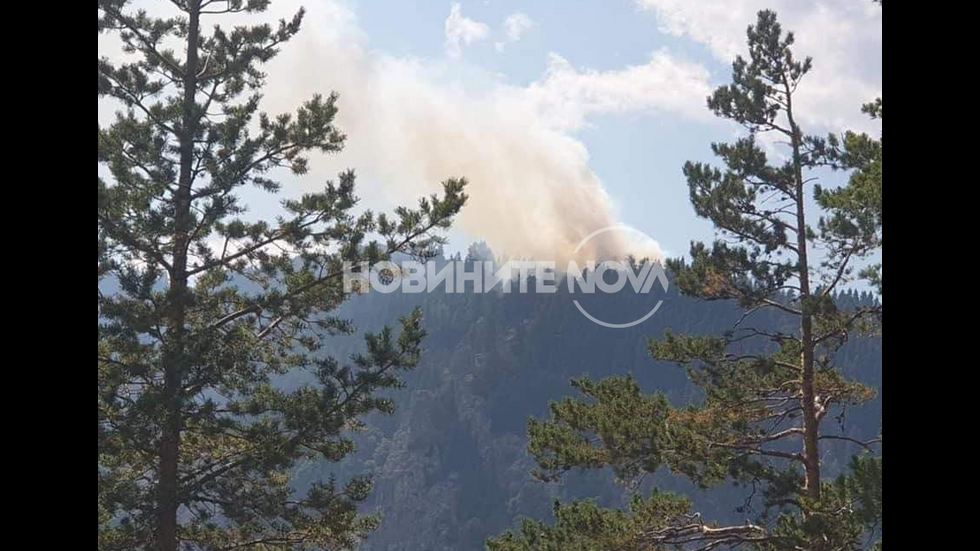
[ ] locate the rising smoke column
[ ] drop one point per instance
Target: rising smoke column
(532, 192)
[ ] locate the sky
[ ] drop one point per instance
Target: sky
(565, 116)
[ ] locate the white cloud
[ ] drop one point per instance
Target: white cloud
(566, 97)
(462, 31)
(843, 36)
(515, 26)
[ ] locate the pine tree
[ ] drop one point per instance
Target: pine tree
(201, 309)
(767, 395)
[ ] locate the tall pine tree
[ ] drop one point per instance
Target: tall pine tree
(768, 394)
(201, 309)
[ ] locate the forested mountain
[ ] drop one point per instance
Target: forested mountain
(248, 398)
(450, 466)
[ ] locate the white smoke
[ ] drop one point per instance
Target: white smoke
(412, 123)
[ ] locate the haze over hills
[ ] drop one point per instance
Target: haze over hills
(450, 467)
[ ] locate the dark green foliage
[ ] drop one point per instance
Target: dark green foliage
(862, 487)
(854, 210)
(619, 416)
(582, 526)
(196, 441)
(768, 392)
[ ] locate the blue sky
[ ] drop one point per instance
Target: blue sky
(566, 116)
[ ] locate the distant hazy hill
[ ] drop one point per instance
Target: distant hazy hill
(450, 466)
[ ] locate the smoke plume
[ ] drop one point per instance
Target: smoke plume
(412, 123)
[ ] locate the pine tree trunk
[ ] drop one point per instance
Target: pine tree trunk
(808, 398)
(175, 358)
(811, 424)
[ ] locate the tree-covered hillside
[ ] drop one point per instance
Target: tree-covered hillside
(451, 466)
